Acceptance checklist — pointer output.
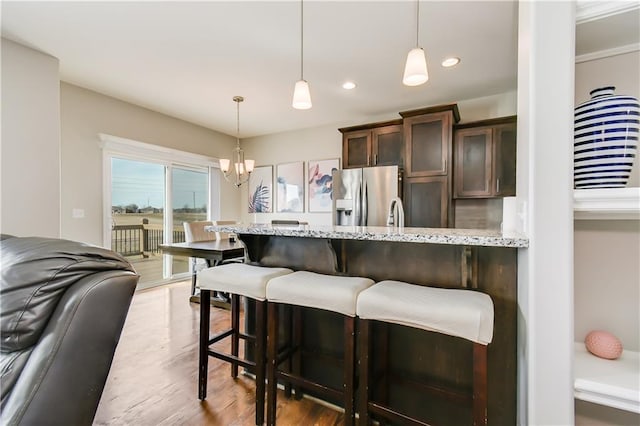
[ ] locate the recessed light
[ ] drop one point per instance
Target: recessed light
(348, 85)
(450, 62)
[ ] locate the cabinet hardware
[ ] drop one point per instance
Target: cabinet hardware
(375, 159)
(498, 186)
(368, 159)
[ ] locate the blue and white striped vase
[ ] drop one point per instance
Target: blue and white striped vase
(605, 143)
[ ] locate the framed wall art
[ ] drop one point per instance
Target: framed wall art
(290, 187)
(261, 190)
(320, 184)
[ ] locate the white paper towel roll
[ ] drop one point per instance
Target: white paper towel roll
(509, 214)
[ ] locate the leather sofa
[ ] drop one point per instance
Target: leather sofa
(62, 308)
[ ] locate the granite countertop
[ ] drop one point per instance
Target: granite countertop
(454, 236)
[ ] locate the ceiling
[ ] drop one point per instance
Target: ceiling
(188, 59)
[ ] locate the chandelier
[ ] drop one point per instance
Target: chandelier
(242, 168)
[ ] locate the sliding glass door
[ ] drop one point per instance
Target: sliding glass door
(189, 202)
(149, 203)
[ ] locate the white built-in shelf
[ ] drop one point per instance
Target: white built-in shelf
(614, 383)
(613, 203)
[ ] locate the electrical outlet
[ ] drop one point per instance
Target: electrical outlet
(77, 213)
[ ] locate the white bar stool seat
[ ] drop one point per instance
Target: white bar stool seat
(460, 313)
(238, 279)
(467, 314)
(312, 290)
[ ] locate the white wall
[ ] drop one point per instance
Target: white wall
(85, 114)
(30, 151)
(326, 142)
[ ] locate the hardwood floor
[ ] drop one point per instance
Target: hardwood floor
(153, 378)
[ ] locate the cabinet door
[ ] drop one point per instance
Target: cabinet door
(427, 144)
(504, 164)
(356, 149)
(387, 145)
(426, 201)
(473, 161)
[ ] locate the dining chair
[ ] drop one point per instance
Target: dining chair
(195, 232)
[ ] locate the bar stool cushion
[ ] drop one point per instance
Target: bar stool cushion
(239, 278)
(328, 292)
(461, 313)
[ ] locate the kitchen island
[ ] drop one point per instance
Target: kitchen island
(451, 258)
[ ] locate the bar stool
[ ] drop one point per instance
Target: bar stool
(238, 279)
(328, 292)
(462, 313)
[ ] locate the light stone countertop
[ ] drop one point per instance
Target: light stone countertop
(454, 236)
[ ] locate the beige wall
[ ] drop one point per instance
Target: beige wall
(30, 151)
(621, 71)
(607, 279)
(326, 142)
(85, 114)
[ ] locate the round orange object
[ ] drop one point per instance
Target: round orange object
(603, 344)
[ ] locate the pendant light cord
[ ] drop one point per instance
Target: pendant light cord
(417, 22)
(301, 39)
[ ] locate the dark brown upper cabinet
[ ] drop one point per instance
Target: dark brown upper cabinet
(485, 158)
(428, 140)
(376, 144)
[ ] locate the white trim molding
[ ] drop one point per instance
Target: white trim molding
(116, 144)
(588, 10)
(610, 203)
(620, 50)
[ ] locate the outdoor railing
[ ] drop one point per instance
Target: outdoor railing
(143, 239)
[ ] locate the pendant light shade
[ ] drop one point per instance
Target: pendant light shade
(301, 95)
(415, 70)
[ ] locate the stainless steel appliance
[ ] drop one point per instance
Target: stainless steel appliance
(361, 197)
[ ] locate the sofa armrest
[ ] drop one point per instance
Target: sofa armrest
(66, 372)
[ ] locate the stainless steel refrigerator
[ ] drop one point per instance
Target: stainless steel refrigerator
(361, 197)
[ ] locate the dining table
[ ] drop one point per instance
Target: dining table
(214, 252)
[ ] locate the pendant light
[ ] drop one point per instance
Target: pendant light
(242, 168)
(301, 94)
(415, 70)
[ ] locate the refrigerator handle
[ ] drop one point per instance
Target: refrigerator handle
(365, 206)
(357, 209)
